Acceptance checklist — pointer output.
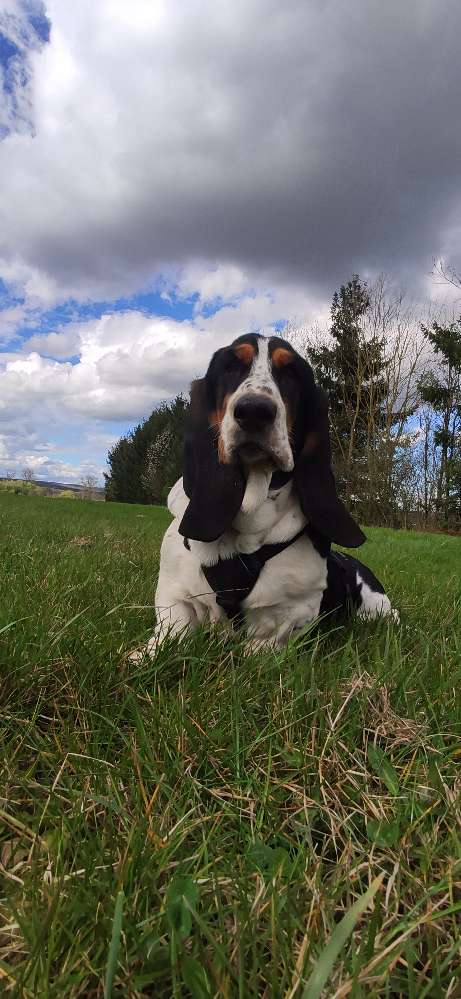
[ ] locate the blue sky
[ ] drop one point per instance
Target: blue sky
(173, 175)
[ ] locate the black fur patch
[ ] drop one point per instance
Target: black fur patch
(343, 593)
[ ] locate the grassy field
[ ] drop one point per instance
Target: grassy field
(215, 816)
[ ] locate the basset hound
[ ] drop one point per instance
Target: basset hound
(257, 509)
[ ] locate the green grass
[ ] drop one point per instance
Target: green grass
(200, 824)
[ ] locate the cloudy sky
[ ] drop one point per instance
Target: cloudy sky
(176, 172)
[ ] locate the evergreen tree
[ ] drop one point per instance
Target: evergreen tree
(128, 479)
(352, 371)
(442, 390)
(159, 467)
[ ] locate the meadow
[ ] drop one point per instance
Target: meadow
(208, 823)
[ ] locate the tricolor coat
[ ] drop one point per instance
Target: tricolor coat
(257, 509)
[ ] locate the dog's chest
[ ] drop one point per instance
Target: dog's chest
(294, 575)
(279, 518)
(279, 596)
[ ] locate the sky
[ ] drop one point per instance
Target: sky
(174, 174)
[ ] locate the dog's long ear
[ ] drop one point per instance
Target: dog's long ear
(315, 481)
(215, 490)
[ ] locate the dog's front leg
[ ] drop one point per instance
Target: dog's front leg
(174, 620)
(262, 638)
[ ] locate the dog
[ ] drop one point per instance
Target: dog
(257, 509)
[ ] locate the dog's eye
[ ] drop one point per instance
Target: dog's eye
(286, 374)
(233, 364)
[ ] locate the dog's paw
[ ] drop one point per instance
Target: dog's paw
(259, 645)
(146, 651)
(136, 656)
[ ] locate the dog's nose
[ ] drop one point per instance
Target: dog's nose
(255, 412)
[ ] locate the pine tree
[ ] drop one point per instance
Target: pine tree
(352, 371)
(158, 468)
(442, 390)
(127, 480)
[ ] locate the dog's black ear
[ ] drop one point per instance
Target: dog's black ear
(215, 490)
(315, 481)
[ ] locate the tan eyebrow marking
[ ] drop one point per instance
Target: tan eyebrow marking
(281, 357)
(245, 352)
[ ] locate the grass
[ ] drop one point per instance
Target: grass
(207, 823)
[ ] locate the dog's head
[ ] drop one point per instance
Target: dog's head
(258, 405)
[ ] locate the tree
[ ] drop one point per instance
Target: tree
(369, 361)
(159, 466)
(446, 273)
(441, 389)
(351, 369)
(89, 486)
(392, 438)
(426, 467)
(141, 470)
(27, 474)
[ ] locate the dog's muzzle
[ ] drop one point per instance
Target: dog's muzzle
(255, 416)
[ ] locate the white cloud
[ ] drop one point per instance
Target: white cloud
(23, 445)
(61, 346)
(222, 283)
(10, 319)
(38, 288)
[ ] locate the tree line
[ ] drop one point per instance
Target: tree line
(394, 388)
(144, 465)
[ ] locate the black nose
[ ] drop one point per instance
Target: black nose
(255, 412)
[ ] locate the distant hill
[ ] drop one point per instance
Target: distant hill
(56, 487)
